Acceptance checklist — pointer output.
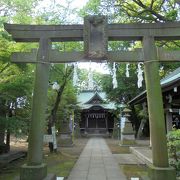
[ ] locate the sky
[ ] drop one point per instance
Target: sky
(75, 3)
(98, 67)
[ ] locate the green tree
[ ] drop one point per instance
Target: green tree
(16, 80)
(63, 76)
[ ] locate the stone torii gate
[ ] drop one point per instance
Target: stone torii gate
(96, 33)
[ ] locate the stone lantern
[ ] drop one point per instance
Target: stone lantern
(127, 132)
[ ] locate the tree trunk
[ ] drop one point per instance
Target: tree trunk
(2, 144)
(135, 120)
(141, 127)
(2, 134)
(8, 141)
(51, 148)
(52, 117)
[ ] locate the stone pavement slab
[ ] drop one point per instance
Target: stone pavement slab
(96, 162)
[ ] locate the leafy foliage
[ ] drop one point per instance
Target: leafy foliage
(15, 125)
(127, 87)
(173, 138)
(149, 11)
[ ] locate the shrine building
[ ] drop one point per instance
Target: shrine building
(96, 113)
(170, 86)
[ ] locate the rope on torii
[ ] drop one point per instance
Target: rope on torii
(114, 81)
(90, 78)
(75, 75)
(127, 70)
(140, 75)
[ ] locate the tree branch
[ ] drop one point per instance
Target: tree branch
(59, 96)
(151, 5)
(160, 17)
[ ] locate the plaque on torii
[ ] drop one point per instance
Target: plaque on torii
(96, 33)
(95, 38)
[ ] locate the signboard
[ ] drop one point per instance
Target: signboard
(47, 138)
(51, 137)
(95, 37)
(54, 137)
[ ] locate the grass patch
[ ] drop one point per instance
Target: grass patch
(57, 163)
(128, 142)
(119, 149)
(116, 148)
(61, 169)
(12, 169)
(140, 171)
(60, 163)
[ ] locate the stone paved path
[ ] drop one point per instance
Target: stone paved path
(96, 162)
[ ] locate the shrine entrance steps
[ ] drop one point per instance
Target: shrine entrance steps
(95, 132)
(97, 135)
(96, 162)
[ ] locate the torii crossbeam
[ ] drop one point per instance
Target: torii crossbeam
(56, 56)
(96, 33)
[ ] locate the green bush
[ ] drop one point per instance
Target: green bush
(173, 138)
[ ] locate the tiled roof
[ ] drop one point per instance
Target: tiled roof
(85, 96)
(174, 76)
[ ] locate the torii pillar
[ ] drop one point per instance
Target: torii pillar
(35, 168)
(160, 169)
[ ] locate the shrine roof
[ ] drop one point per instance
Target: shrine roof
(169, 82)
(85, 97)
(104, 106)
(170, 78)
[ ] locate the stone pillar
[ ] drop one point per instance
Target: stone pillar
(35, 168)
(127, 132)
(65, 138)
(160, 169)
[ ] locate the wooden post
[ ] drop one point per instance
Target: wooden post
(156, 113)
(168, 118)
(73, 125)
(35, 169)
(86, 124)
(106, 121)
